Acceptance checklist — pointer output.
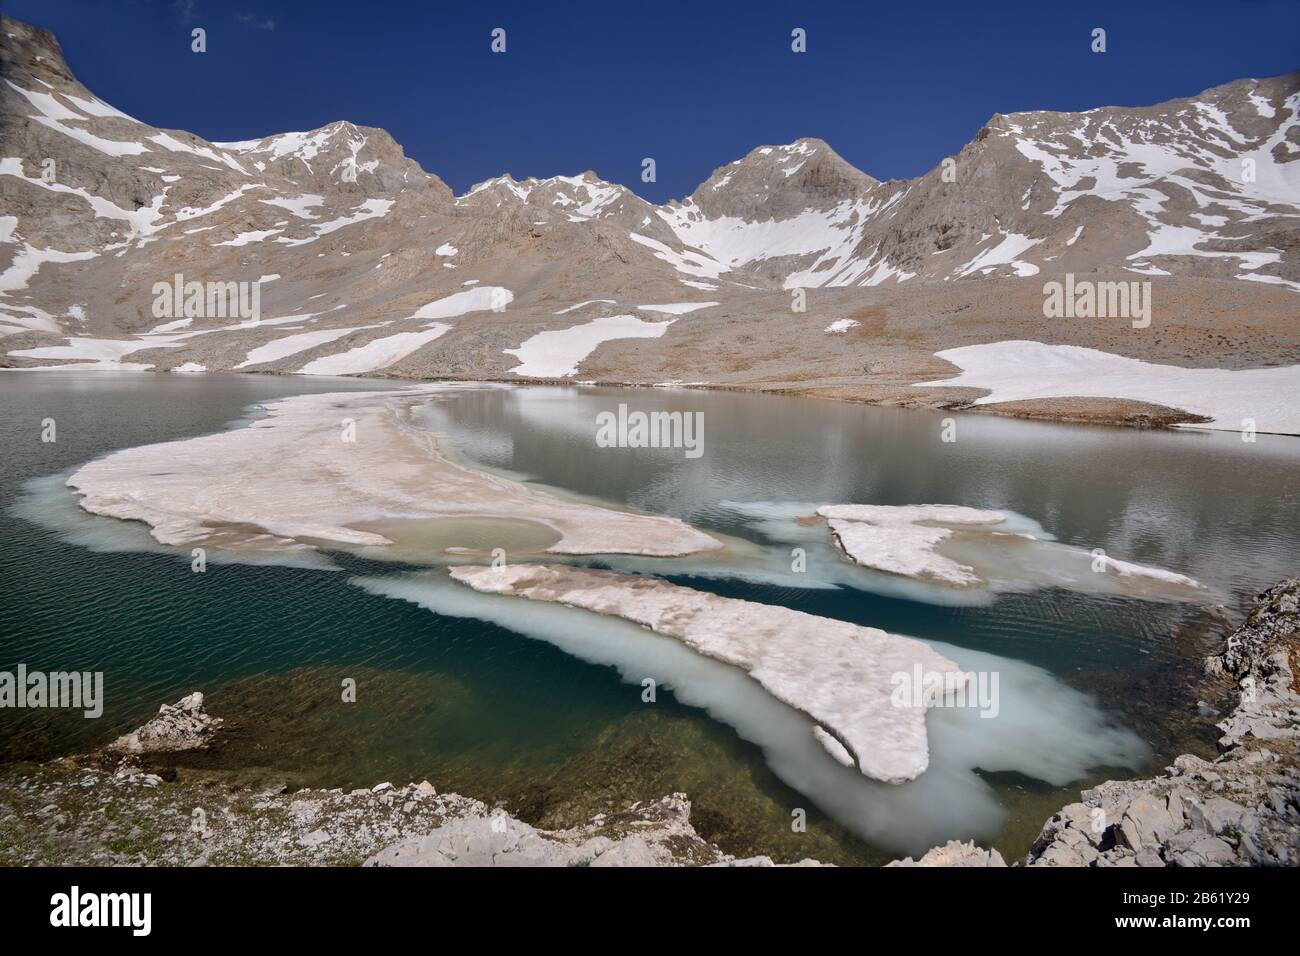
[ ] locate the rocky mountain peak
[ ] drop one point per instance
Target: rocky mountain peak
(335, 155)
(776, 182)
(566, 198)
(28, 50)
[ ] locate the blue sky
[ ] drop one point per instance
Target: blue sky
(893, 87)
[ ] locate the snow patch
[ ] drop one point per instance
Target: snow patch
(482, 298)
(558, 352)
(293, 344)
(375, 354)
(676, 308)
(1021, 370)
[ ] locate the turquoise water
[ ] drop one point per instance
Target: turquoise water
(479, 708)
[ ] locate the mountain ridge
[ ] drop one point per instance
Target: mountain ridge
(779, 183)
(355, 239)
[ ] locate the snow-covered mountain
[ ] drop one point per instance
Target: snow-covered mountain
(1208, 185)
(347, 235)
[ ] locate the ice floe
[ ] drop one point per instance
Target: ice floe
(837, 673)
(1044, 729)
(942, 554)
(46, 502)
(903, 540)
(350, 468)
(910, 540)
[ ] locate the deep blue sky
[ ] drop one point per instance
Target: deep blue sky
(893, 87)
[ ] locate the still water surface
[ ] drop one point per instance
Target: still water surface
(479, 708)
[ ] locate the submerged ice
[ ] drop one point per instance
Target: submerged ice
(838, 673)
(1044, 729)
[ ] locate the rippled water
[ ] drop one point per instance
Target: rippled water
(481, 708)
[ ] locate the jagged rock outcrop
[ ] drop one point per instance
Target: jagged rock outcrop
(185, 725)
(955, 853)
(1241, 809)
(654, 834)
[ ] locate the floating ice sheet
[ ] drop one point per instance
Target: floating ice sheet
(836, 672)
(1044, 729)
(944, 554)
(344, 462)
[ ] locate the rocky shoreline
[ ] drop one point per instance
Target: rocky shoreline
(110, 807)
(1240, 809)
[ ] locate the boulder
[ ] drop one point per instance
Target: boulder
(956, 853)
(184, 725)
